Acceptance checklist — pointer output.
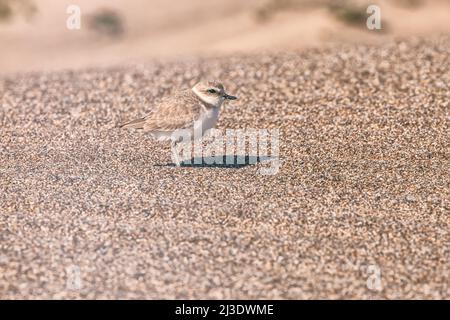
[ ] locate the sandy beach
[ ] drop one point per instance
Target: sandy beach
(358, 210)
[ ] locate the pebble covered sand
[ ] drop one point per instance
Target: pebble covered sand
(359, 208)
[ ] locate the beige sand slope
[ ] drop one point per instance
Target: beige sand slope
(159, 29)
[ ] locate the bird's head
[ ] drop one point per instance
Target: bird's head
(212, 93)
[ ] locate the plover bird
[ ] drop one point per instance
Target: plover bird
(187, 114)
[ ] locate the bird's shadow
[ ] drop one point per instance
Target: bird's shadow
(221, 161)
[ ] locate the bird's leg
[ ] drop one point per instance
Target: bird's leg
(174, 150)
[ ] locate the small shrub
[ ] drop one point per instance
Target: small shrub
(5, 10)
(107, 22)
(350, 14)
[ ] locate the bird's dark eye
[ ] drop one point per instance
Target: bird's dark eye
(211, 91)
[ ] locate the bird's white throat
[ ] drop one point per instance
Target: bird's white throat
(207, 120)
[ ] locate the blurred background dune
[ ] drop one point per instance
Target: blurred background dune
(34, 36)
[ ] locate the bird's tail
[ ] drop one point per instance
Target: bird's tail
(134, 124)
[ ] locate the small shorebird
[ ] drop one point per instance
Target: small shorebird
(188, 113)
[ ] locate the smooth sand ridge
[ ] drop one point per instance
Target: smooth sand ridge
(363, 182)
(195, 27)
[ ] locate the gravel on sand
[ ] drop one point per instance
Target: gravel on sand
(359, 208)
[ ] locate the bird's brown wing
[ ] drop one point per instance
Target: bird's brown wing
(178, 111)
(175, 112)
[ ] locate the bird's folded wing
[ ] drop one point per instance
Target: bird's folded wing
(176, 112)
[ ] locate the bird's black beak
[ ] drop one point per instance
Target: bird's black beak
(228, 97)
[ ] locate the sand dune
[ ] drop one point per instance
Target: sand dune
(159, 29)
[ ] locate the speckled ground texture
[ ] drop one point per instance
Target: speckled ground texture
(363, 185)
